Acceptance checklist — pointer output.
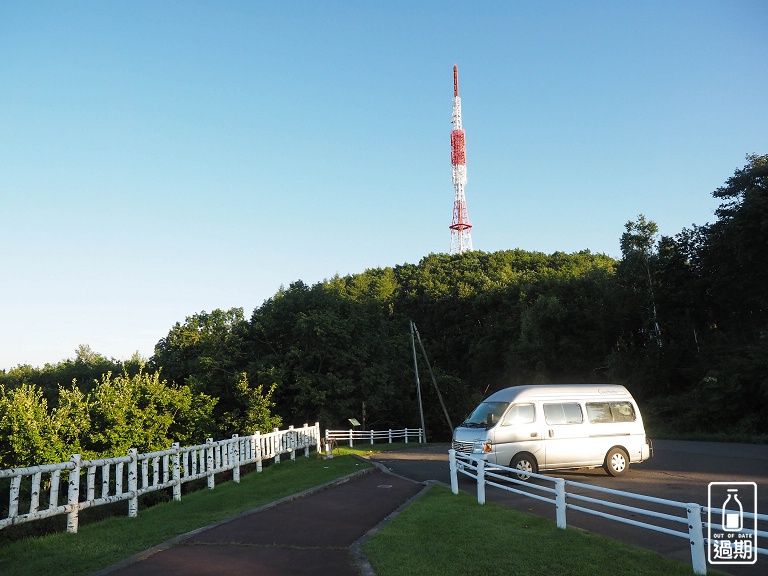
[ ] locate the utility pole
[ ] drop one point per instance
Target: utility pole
(434, 381)
(418, 382)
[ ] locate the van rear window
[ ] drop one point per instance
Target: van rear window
(605, 412)
(566, 413)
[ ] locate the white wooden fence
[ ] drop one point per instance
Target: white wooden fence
(109, 480)
(371, 436)
(475, 467)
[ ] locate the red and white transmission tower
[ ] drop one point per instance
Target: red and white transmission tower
(461, 238)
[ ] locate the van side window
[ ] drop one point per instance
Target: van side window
(520, 414)
(605, 412)
(565, 413)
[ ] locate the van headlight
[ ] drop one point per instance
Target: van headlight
(482, 448)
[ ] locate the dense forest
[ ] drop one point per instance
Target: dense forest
(681, 320)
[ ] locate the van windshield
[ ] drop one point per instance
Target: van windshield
(486, 415)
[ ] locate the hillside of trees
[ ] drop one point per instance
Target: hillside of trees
(681, 320)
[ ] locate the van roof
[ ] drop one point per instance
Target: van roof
(559, 391)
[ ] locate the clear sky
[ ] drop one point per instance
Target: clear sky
(161, 158)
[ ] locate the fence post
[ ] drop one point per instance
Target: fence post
(305, 438)
(406, 435)
(277, 444)
(235, 457)
(390, 435)
(90, 489)
(560, 502)
(53, 500)
(73, 498)
(105, 469)
(290, 438)
(421, 435)
(351, 432)
(371, 436)
(176, 464)
(481, 481)
(209, 463)
(698, 555)
(13, 504)
(133, 483)
(259, 465)
(454, 473)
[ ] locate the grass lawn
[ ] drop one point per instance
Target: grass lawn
(449, 534)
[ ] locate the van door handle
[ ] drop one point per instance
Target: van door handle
(551, 433)
(534, 434)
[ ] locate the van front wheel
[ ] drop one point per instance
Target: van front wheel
(524, 463)
(616, 462)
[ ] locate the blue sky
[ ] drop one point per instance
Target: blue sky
(162, 158)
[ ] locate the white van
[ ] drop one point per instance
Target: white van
(550, 427)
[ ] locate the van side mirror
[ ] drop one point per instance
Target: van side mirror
(490, 419)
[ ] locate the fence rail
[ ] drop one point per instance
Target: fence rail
(371, 436)
(109, 480)
(502, 476)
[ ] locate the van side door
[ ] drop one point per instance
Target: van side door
(520, 431)
(565, 436)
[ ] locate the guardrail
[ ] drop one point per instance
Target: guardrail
(128, 477)
(475, 467)
(370, 436)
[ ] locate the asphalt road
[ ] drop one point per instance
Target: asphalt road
(679, 471)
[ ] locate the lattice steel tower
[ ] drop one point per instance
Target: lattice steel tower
(461, 237)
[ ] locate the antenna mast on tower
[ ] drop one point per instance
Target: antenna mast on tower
(461, 238)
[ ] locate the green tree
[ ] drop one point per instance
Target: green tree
(734, 257)
(28, 434)
(140, 411)
(638, 244)
(207, 353)
(71, 420)
(254, 409)
(86, 369)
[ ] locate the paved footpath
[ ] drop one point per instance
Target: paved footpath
(312, 534)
